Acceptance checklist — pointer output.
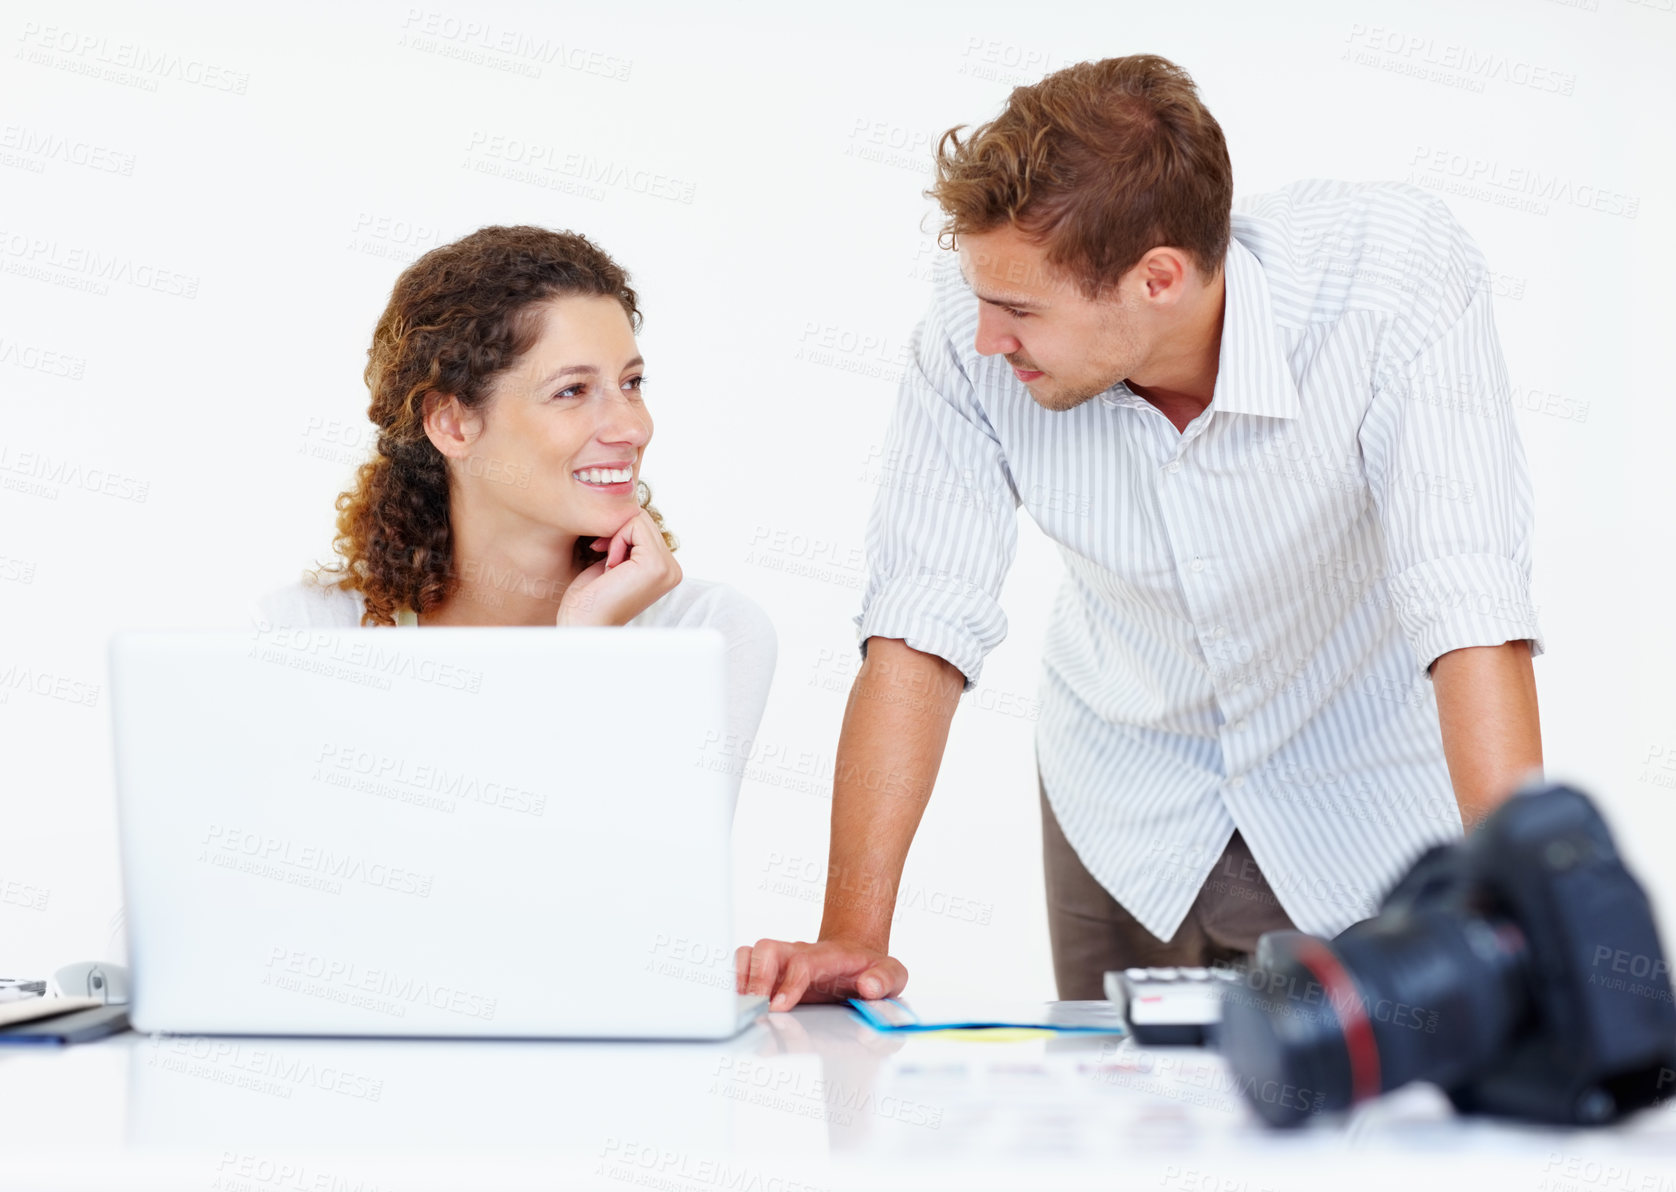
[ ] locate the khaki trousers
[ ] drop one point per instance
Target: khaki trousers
(1091, 934)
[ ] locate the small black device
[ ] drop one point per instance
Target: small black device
(1519, 969)
(1169, 1007)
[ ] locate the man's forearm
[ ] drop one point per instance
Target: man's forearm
(889, 750)
(1492, 737)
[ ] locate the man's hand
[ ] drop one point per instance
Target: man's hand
(828, 971)
(637, 569)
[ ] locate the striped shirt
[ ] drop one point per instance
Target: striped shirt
(1250, 606)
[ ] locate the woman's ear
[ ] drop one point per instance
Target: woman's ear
(448, 424)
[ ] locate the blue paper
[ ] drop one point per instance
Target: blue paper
(944, 1014)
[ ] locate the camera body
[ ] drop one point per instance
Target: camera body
(1531, 952)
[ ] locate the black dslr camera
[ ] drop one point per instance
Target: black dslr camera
(1519, 969)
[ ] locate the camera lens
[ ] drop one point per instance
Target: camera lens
(1425, 994)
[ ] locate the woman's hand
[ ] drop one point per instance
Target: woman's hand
(637, 569)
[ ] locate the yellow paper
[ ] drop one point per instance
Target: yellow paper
(992, 1034)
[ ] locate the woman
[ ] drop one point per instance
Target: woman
(507, 391)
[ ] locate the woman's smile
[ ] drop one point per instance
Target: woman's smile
(611, 477)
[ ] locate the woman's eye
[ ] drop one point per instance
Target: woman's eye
(635, 383)
(571, 391)
(1017, 314)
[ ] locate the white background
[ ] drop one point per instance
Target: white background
(760, 173)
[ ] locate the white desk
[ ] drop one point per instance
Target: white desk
(803, 1101)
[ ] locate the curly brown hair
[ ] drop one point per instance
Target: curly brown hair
(1101, 162)
(458, 317)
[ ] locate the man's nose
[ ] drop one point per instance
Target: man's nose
(991, 339)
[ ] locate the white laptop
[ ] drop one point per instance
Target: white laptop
(510, 832)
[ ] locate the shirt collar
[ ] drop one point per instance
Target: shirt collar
(1252, 375)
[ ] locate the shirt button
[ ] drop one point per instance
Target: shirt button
(1196, 565)
(1173, 466)
(1239, 726)
(1238, 782)
(1219, 632)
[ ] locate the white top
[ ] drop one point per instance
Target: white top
(693, 603)
(1249, 606)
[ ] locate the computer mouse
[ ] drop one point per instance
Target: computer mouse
(94, 978)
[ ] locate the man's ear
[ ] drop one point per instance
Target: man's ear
(449, 425)
(1163, 272)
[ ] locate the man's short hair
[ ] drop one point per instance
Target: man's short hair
(1101, 162)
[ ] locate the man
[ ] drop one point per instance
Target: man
(1293, 644)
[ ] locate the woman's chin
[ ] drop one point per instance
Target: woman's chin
(603, 526)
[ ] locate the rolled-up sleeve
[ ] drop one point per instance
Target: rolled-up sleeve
(944, 526)
(1444, 461)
